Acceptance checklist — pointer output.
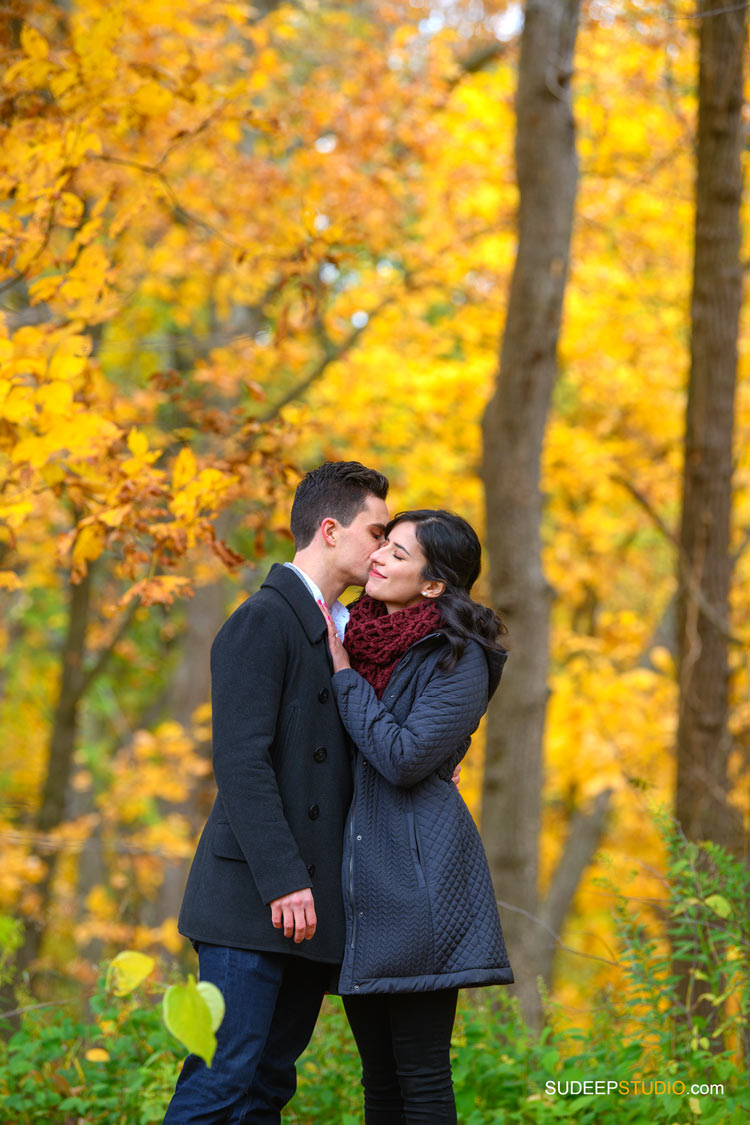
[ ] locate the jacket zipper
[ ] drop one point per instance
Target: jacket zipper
(357, 769)
(416, 852)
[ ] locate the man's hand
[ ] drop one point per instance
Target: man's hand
(296, 914)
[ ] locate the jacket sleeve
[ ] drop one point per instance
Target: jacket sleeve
(248, 671)
(443, 716)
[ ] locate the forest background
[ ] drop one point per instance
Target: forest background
(239, 239)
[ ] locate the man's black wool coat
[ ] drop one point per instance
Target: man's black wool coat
(282, 763)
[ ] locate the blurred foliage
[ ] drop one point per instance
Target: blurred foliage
(231, 246)
(117, 1063)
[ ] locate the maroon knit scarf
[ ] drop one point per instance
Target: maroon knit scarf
(376, 640)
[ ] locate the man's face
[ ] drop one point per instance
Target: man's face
(357, 541)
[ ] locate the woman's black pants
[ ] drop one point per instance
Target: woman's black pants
(404, 1040)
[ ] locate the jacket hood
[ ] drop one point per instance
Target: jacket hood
(495, 658)
(495, 665)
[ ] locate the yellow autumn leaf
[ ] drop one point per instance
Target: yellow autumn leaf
(35, 450)
(184, 470)
(662, 660)
(114, 516)
(202, 713)
(63, 367)
(127, 970)
(15, 514)
(33, 44)
(160, 590)
(70, 209)
(137, 443)
(151, 99)
(18, 405)
(88, 546)
(97, 1054)
(100, 904)
(55, 397)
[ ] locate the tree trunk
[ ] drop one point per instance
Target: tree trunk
(191, 686)
(514, 424)
(705, 570)
(76, 678)
(60, 760)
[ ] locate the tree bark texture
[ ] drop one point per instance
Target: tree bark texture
(191, 686)
(76, 678)
(62, 745)
(705, 566)
(513, 432)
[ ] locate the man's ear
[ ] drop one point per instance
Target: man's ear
(329, 529)
(432, 589)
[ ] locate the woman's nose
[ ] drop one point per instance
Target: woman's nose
(375, 553)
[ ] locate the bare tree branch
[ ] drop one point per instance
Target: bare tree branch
(709, 611)
(479, 58)
(584, 836)
(558, 940)
(103, 656)
(333, 353)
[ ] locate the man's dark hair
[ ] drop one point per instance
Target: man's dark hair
(336, 488)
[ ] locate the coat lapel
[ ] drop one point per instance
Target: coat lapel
(291, 587)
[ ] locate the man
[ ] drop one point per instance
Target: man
(263, 899)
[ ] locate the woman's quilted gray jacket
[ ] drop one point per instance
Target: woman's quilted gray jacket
(419, 903)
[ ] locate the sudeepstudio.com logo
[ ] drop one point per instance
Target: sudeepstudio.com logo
(649, 1086)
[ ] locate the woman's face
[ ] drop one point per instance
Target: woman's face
(396, 570)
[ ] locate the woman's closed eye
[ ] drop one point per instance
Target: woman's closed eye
(387, 543)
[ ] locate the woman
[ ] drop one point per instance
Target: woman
(420, 664)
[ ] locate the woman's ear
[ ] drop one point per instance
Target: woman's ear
(432, 589)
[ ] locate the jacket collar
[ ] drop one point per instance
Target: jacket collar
(292, 589)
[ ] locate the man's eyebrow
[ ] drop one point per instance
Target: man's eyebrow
(377, 527)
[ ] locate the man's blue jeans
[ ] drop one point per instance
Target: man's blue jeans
(272, 1003)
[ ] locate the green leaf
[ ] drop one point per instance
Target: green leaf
(127, 970)
(189, 1018)
(215, 1001)
(719, 905)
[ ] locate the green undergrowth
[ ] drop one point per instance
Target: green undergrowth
(637, 1060)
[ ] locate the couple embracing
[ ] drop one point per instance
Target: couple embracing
(338, 856)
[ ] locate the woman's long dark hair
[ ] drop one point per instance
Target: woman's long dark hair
(453, 555)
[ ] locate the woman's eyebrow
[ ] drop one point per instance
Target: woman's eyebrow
(402, 549)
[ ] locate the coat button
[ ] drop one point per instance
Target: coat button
(320, 754)
(313, 812)
(311, 870)
(323, 694)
